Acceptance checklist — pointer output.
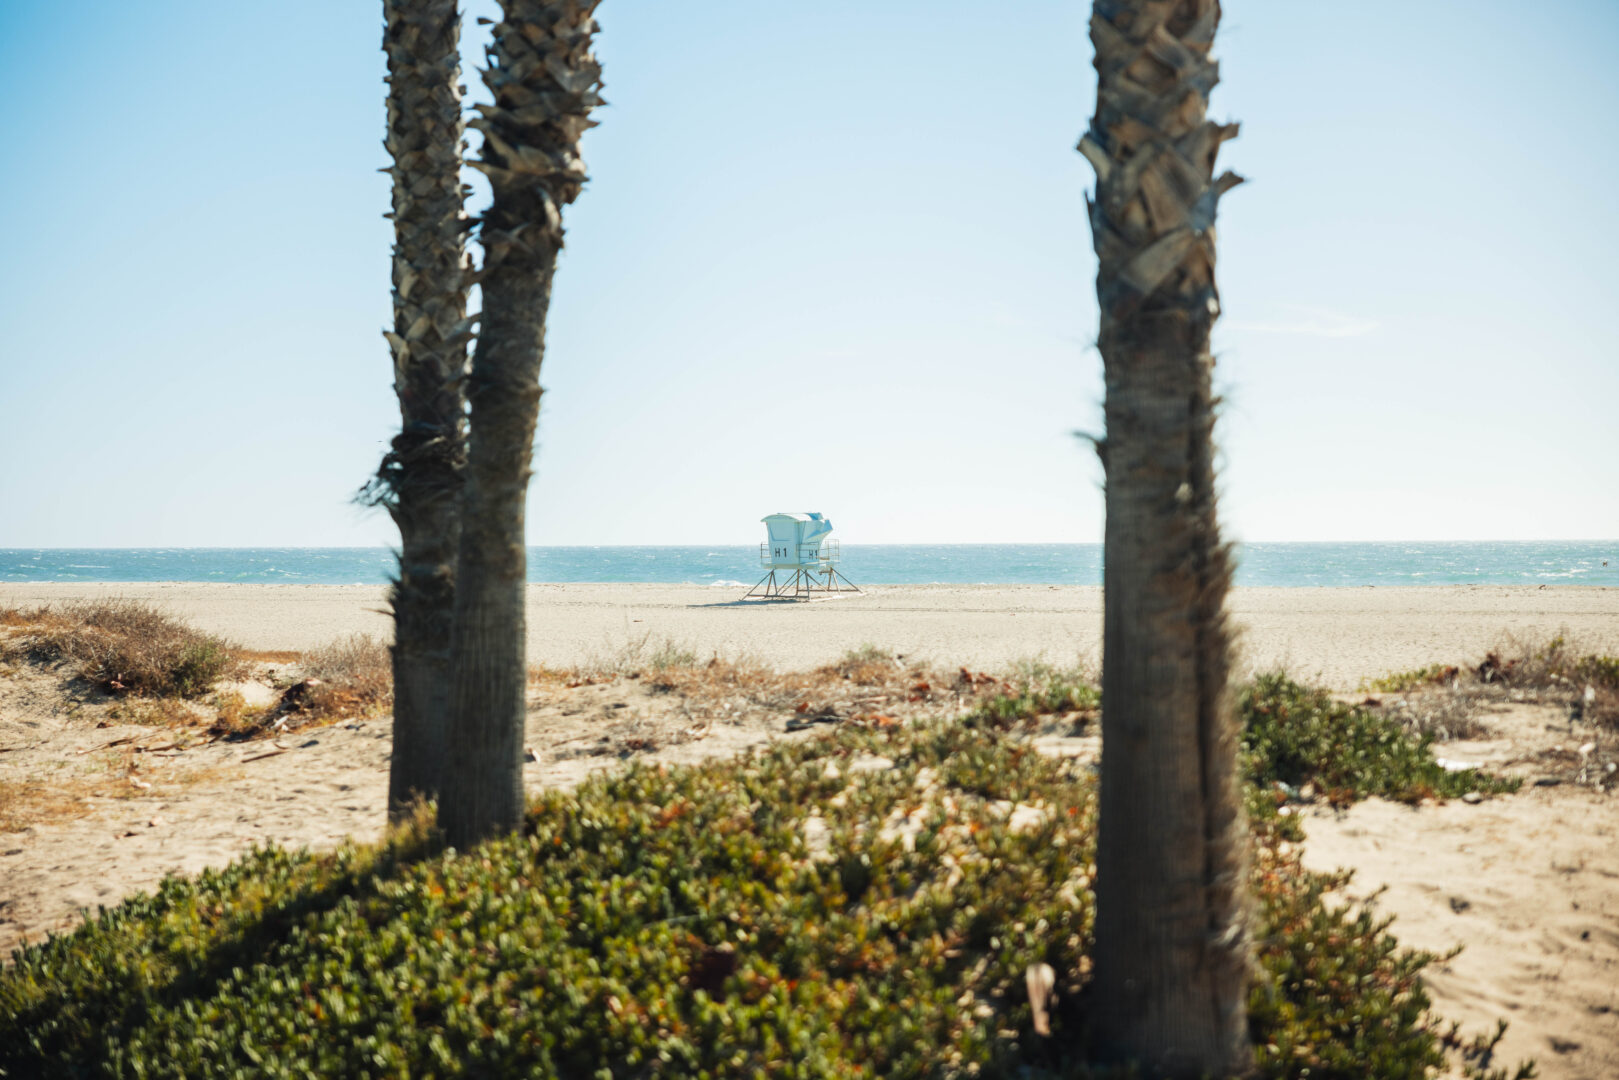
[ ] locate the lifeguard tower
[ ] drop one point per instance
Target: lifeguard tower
(800, 559)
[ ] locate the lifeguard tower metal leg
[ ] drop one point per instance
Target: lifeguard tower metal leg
(800, 585)
(799, 559)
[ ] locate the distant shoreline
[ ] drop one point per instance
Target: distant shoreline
(745, 585)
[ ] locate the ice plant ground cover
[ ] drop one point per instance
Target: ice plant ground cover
(860, 904)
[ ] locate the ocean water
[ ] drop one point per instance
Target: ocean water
(1560, 562)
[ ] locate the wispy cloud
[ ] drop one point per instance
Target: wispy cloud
(1307, 322)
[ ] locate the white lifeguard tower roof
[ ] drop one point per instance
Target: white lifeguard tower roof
(796, 529)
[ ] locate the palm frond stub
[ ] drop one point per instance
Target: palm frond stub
(546, 82)
(1154, 151)
(431, 275)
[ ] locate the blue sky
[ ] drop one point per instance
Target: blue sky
(833, 256)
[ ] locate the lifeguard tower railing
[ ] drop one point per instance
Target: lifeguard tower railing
(799, 571)
(778, 556)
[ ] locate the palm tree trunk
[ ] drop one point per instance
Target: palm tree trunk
(1172, 923)
(419, 480)
(545, 82)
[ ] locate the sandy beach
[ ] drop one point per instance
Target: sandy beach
(1525, 882)
(1338, 637)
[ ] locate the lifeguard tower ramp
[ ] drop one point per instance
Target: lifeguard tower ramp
(800, 558)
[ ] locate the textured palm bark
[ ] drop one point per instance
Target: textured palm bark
(419, 479)
(1173, 946)
(545, 82)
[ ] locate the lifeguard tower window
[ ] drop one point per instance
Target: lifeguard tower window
(799, 557)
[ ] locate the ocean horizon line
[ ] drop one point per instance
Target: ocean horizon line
(15, 548)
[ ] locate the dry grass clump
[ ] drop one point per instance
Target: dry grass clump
(16, 616)
(867, 676)
(351, 676)
(1398, 682)
(72, 788)
(1447, 701)
(154, 712)
(23, 802)
(666, 704)
(268, 656)
(867, 686)
(161, 669)
(1443, 713)
(121, 646)
(671, 666)
(865, 665)
(235, 718)
(634, 657)
(541, 676)
(718, 678)
(1600, 701)
(33, 800)
(1557, 670)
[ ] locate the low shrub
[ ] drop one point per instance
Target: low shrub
(1598, 670)
(1038, 691)
(234, 718)
(1295, 735)
(1397, 682)
(154, 711)
(637, 655)
(123, 646)
(1554, 669)
(1292, 735)
(859, 905)
(349, 676)
(1590, 679)
(670, 654)
(864, 665)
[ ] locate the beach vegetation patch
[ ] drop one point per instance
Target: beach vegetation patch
(1294, 735)
(864, 904)
(1396, 682)
(865, 665)
(25, 801)
(670, 654)
(1035, 689)
(634, 657)
(235, 718)
(349, 677)
(121, 646)
(1559, 669)
(164, 712)
(1553, 670)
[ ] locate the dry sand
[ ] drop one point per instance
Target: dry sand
(1528, 883)
(1335, 636)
